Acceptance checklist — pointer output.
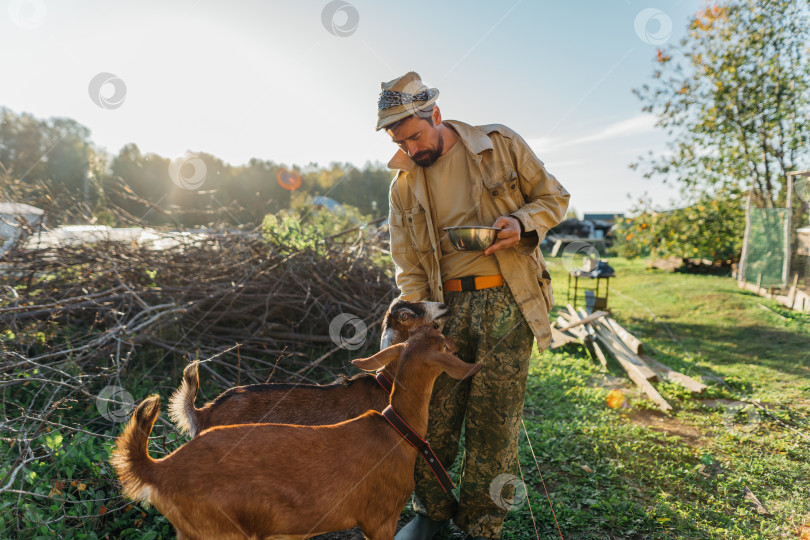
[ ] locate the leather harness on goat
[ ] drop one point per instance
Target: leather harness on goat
(407, 433)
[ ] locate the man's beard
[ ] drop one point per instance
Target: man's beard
(426, 158)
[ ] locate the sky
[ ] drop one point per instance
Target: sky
(297, 81)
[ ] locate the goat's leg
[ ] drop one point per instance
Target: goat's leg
(382, 531)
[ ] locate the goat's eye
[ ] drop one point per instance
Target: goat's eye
(404, 316)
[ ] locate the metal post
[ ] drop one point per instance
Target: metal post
(788, 220)
(744, 254)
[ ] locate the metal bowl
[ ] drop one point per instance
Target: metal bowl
(472, 238)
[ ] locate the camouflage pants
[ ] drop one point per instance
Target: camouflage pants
(488, 327)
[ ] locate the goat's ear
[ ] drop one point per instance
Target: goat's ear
(454, 367)
(381, 359)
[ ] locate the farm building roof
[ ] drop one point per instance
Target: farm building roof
(602, 217)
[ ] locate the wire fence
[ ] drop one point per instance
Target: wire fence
(776, 253)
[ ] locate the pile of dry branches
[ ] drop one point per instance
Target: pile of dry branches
(200, 298)
(77, 318)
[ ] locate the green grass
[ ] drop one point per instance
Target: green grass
(683, 474)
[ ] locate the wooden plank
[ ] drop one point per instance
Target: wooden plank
(561, 321)
(586, 320)
(594, 349)
(600, 355)
(670, 374)
(607, 335)
(632, 342)
(635, 375)
(749, 287)
(567, 316)
(558, 339)
(587, 335)
(578, 333)
(579, 316)
(802, 301)
(589, 339)
(786, 232)
(792, 292)
(575, 315)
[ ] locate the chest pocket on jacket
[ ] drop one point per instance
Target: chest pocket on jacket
(505, 191)
(416, 222)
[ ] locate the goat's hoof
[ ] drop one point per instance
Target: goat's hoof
(420, 528)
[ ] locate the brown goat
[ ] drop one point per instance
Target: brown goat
(304, 404)
(283, 481)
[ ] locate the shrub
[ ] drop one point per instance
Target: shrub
(712, 228)
(307, 225)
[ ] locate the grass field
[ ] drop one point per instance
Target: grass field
(637, 473)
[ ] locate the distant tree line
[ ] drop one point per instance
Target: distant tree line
(54, 165)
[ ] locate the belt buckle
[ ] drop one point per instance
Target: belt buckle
(467, 283)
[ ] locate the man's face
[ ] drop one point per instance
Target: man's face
(420, 139)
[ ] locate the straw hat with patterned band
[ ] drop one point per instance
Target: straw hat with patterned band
(402, 97)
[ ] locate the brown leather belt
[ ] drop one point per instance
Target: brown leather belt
(472, 283)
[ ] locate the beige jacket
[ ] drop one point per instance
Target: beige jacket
(506, 179)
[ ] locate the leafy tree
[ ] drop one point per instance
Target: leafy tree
(255, 185)
(735, 97)
(47, 163)
(66, 154)
(683, 232)
(22, 143)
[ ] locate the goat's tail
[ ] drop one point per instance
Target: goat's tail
(181, 405)
(130, 458)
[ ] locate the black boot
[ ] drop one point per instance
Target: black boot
(420, 528)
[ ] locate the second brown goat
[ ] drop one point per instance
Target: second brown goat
(304, 404)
